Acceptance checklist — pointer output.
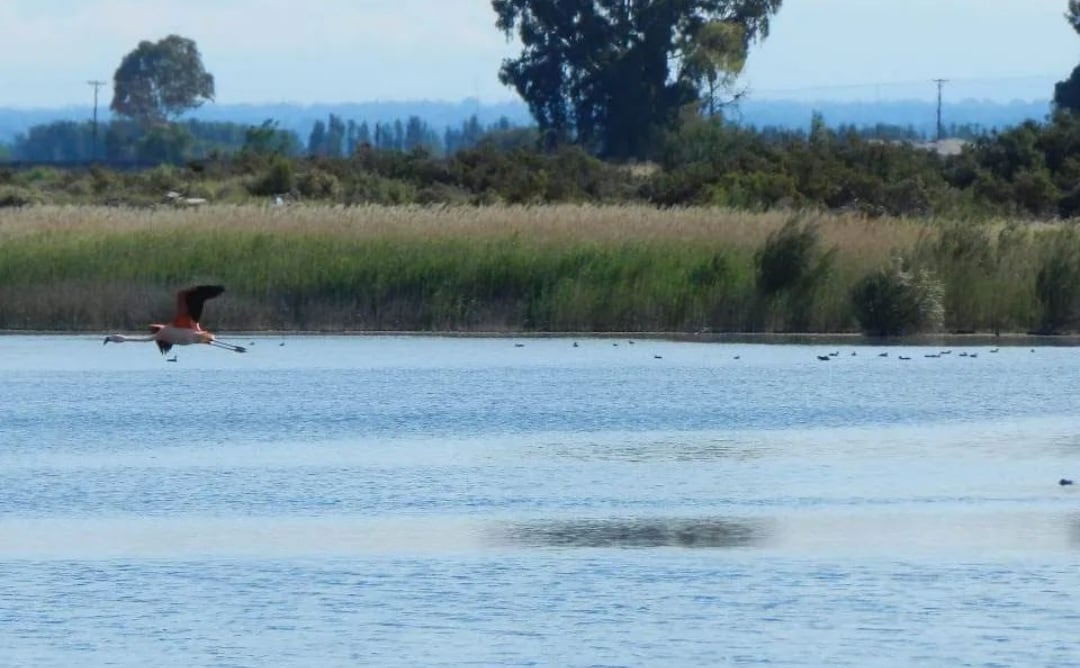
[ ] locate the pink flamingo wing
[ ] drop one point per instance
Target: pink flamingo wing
(189, 304)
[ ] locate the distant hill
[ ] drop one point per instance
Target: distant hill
(759, 113)
(919, 114)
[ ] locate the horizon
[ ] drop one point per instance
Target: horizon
(481, 104)
(383, 47)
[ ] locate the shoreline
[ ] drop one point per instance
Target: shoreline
(806, 338)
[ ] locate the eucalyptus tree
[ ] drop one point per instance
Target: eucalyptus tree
(158, 81)
(613, 75)
(1067, 92)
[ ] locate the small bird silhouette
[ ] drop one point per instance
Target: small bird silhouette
(1065, 481)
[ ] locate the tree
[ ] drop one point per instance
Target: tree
(350, 137)
(268, 139)
(317, 139)
(335, 137)
(715, 57)
(165, 143)
(161, 80)
(613, 75)
(1067, 93)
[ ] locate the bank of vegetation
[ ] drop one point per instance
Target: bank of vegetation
(1031, 171)
(537, 269)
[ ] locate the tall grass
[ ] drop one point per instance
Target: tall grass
(549, 268)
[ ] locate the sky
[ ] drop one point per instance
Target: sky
(336, 51)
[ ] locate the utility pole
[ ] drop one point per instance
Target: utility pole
(940, 128)
(94, 147)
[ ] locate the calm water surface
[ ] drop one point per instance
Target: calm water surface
(342, 501)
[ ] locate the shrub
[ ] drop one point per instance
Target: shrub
(161, 179)
(791, 259)
(319, 184)
(102, 180)
(13, 196)
(753, 191)
(277, 179)
(369, 188)
(441, 193)
(1034, 191)
(1069, 204)
(894, 301)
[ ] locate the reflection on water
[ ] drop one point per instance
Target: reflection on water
(865, 532)
(631, 532)
(636, 448)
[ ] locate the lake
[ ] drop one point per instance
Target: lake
(380, 500)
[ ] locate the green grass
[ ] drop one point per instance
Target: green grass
(558, 268)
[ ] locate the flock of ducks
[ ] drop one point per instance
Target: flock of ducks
(836, 353)
(832, 355)
(937, 355)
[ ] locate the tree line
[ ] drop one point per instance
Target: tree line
(1030, 171)
(122, 141)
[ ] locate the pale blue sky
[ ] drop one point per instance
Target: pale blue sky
(362, 50)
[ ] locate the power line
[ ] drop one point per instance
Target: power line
(96, 85)
(940, 127)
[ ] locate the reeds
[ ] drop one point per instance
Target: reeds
(545, 268)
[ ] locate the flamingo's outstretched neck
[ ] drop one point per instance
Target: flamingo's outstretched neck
(120, 338)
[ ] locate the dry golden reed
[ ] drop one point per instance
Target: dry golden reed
(554, 268)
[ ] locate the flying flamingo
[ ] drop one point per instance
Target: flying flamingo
(184, 328)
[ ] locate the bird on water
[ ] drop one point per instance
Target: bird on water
(185, 328)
